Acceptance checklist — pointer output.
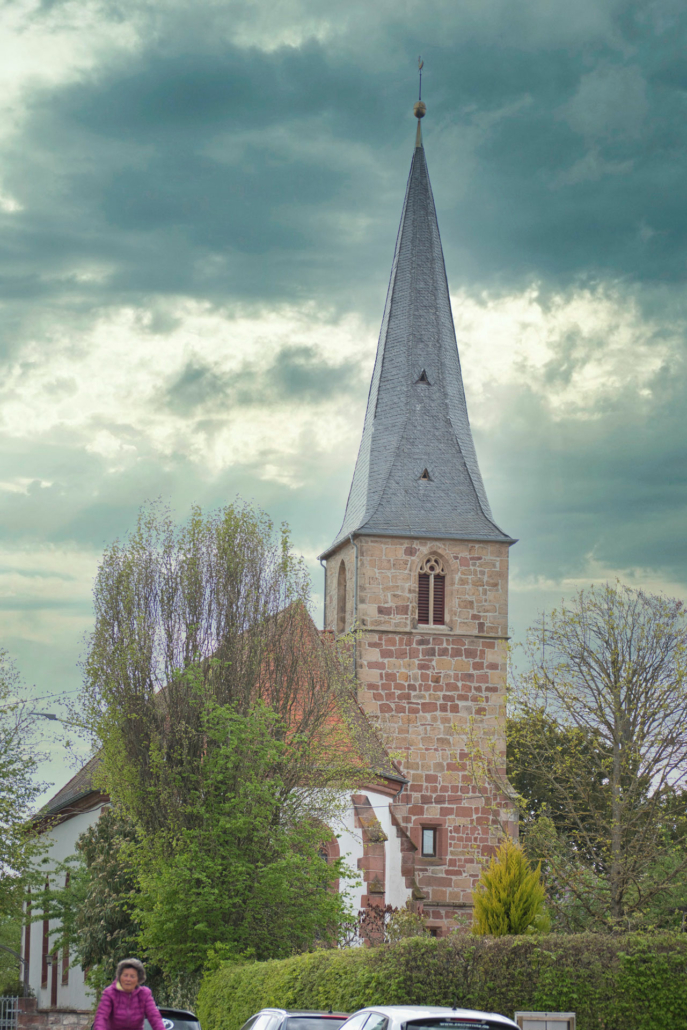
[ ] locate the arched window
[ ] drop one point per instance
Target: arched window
(431, 593)
(341, 599)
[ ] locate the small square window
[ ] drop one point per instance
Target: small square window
(429, 842)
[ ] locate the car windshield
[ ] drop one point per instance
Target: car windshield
(314, 1022)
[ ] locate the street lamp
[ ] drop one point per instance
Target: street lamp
(65, 722)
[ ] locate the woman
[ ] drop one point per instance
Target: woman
(126, 1003)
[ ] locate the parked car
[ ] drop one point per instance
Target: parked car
(285, 1019)
(176, 1019)
(425, 1017)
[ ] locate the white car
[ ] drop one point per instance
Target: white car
(425, 1017)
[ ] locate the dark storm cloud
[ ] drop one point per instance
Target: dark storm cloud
(164, 98)
(150, 171)
(232, 172)
(296, 374)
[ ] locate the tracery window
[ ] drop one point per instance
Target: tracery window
(431, 593)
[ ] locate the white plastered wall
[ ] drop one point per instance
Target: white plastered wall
(351, 849)
(75, 994)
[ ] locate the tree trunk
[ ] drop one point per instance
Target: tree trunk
(615, 878)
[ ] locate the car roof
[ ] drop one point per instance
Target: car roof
(179, 1013)
(407, 1012)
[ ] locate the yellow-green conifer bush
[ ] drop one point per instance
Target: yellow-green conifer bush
(510, 897)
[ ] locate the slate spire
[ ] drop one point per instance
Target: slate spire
(417, 472)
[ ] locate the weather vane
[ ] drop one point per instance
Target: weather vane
(419, 109)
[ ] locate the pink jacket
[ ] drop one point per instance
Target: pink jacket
(126, 1010)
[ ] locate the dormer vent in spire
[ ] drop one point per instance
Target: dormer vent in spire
(423, 378)
(426, 476)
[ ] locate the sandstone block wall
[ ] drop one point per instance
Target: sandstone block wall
(32, 1018)
(437, 696)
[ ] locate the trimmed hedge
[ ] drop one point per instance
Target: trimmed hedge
(620, 982)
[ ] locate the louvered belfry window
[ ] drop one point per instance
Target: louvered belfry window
(431, 593)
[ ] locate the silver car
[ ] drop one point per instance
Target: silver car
(425, 1017)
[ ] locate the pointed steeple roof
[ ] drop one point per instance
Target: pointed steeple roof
(417, 471)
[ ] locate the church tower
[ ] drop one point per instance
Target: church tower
(420, 569)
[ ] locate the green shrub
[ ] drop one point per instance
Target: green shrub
(405, 923)
(619, 982)
(509, 898)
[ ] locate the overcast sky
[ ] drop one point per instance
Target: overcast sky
(198, 209)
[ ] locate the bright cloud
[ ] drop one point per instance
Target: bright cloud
(575, 350)
(106, 388)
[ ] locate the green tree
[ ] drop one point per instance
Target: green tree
(510, 897)
(601, 740)
(209, 612)
(11, 973)
(567, 748)
(244, 872)
(574, 896)
(210, 695)
(20, 846)
(577, 897)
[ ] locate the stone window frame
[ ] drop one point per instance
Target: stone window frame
(441, 838)
(434, 831)
(449, 590)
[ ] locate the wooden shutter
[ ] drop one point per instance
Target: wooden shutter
(438, 606)
(423, 599)
(45, 944)
(65, 948)
(53, 982)
(27, 939)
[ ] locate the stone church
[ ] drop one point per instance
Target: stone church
(419, 574)
(419, 570)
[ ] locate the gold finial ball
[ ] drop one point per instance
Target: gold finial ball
(419, 110)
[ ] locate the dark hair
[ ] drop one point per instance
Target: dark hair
(131, 963)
